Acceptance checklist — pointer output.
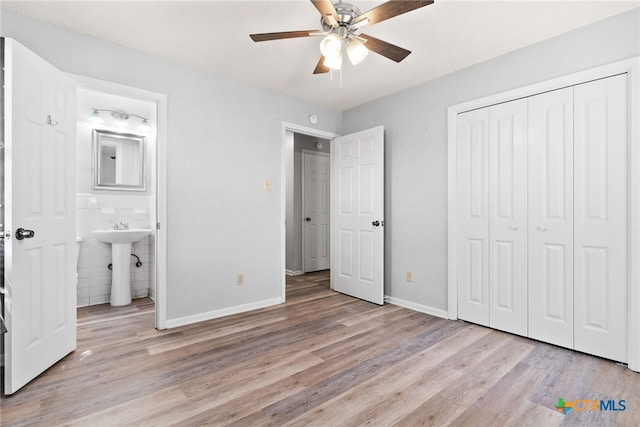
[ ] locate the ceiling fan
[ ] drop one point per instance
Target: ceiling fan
(341, 24)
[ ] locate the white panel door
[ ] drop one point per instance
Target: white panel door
(473, 216)
(600, 216)
(357, 220)
(508, 216)
(40, 270)
(315, 211)
(550, 151)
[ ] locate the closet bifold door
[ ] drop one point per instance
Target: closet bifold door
(550, 206)
(508, 216)
(473, 215)
(600, 212)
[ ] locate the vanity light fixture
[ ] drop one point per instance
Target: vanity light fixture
(95, 118)
(120, 118)
(145, 126)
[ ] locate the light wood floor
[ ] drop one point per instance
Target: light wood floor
(320, 359)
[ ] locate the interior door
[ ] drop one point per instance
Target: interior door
(40, 279)
(473, 215)
(315, 211)
(600, 212)
(357, 215)
(508, 216)
(550, 161)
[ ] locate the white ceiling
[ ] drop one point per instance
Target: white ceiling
(446, 36)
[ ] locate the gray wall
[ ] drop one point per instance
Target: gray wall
(294, 198)
(415, 124)
(224, 140)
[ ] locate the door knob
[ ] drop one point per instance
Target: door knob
(376, 223)
(307, 219)
(21, 233)
(513, 227)
(541, 228)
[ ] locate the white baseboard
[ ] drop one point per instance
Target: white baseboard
(417, 307)
(294, 273)
(201, 317)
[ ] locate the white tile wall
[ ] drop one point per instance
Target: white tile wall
(98, 212)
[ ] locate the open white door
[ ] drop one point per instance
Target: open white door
(40, 214)
(357, 215)
(315, 211)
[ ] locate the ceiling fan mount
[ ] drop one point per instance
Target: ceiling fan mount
(346, 14)
(341, 24)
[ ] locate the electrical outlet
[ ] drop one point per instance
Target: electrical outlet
(409, 276)
(267, 185)
(240, 279)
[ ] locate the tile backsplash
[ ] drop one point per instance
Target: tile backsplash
(97, 211)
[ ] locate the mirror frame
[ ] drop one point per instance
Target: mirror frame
(98, 135)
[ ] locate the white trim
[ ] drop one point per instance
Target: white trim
(432, 311)
(215, 314)
(634, 215)
(632, 68)
(161, 179)
(306, 152)
(290, 127)
(293, 273)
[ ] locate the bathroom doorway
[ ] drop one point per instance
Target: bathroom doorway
(104, 107)
(306, 194)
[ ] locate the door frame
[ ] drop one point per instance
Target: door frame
(286, 147)
(631, 67)
(161, 180)
(310, 153)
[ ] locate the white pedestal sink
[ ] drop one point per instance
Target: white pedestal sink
(121, 241)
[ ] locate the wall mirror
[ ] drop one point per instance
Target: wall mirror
(118, 161)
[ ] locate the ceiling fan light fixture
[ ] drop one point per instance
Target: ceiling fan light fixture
(333, 62)
(331, 46)
(356, 51)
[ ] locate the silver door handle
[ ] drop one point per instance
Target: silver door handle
(21, 233)
(513, 227)
(541, 228)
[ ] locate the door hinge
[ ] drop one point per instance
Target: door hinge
(157, 226)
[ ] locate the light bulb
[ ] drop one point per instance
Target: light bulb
(331, 46)
(95, 118)
(145, 126)
(356, 51)
(333, 62)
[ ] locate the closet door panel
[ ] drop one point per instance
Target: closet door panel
(600, 211)
(550, 205)
(508, 216)
(473, 216)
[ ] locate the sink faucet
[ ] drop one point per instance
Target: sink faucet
(121, 226)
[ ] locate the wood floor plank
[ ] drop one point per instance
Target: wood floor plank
(373, 399)
(464, 392)
(318, 393)
(209, 335)
(529, 414)
(322, 358)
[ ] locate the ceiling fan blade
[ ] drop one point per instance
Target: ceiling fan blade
(321, 68)
(328, 12)
(390, 9)
(381, 47)
(281, 35)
